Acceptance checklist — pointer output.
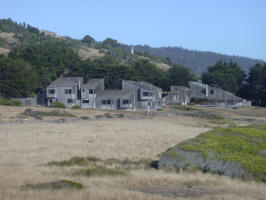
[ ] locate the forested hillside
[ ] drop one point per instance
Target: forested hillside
(32, 59)
(197, 61)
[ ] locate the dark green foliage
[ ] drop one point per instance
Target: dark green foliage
(37, 114)
(255, 89)
(17, 77)
(186, 108)
(75, 161)
(58, 185)
(50, 59)
(14, 103)
(228, 76)
(179, 75)
(110, 43)
(57, 104)
(3, 102)
(75, 107)
(100, 171)
(89, 41)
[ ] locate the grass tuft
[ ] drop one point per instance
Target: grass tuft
(62, 184)
(39, 114)
(75, 161)
(101, 171)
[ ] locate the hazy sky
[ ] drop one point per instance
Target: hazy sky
(235, 27)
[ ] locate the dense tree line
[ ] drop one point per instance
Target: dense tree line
(229, 76)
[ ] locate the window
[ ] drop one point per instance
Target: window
(106, 102)
(68, 91)
(91, 91)
(83, 90)
(70, 101)
(125, 101)
(51, 91)
(85, 101)
(146, 94)
(212, 91)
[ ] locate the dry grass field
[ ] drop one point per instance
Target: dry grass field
(28, 144)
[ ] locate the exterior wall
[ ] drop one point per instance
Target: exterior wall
(29, 101)
(112, 106)
(85, 95)
(62, 97)
(151, 102)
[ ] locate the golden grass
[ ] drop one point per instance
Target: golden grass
(25, 148)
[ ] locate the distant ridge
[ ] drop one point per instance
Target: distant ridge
(197, 61)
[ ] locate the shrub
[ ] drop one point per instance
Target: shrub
(14, 102)
(40, 114)
(62, 184)
(75, 107)
(100, 171)
(57, 104)
(3, 102)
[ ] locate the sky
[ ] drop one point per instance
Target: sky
(232, 27)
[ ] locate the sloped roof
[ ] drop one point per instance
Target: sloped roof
(142, 84)
(93, 83)
(197, 84)
(66, 82)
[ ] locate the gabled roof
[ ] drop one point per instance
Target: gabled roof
(93, 83)
(66, 82)
(142, 84)
(197, 84)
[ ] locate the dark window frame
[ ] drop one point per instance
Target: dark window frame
(146, 94)
(68, 91)
(91, 91)
(85, 101)
(51, 91)
(125, 101)
(70, 100)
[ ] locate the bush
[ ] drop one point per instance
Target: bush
(57, 185)
(3, 102)
(100, 171)
(14, 103)
(75, 107)
(40, 114)
(57, 104)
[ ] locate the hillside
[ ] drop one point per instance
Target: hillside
(197, 61)
(13, 34)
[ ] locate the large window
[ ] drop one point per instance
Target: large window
(85, 101)
(70, 101)
(106, 102)
(146, 94)
(68, 91)
(91, 91)
(51, 91)
(125, 101)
